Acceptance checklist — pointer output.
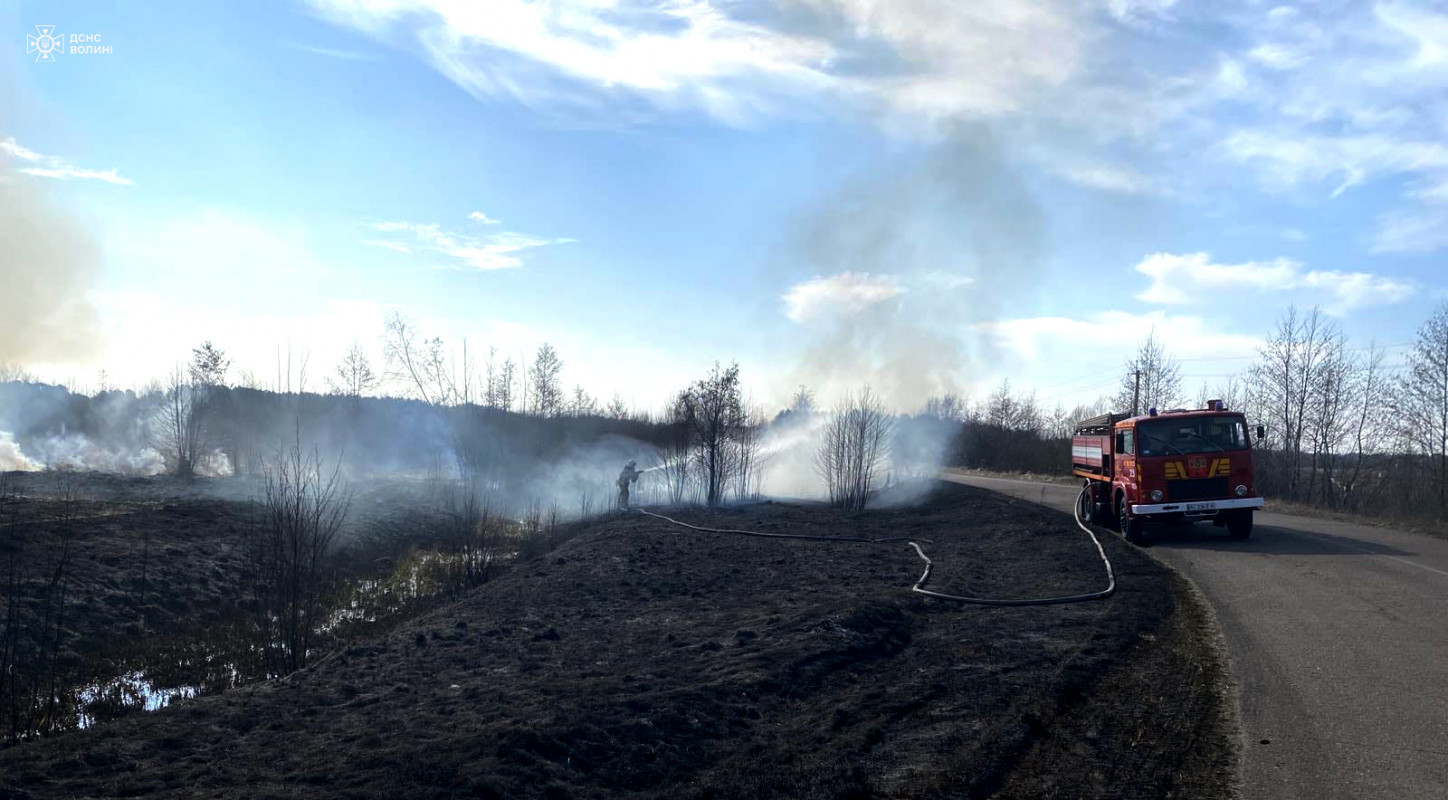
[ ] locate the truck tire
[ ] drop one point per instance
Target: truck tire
(1133, 528)
(1086, 505)
(1239, 524)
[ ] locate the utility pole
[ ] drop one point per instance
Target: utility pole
(1136, 394)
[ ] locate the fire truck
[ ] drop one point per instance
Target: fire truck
(1170, 466)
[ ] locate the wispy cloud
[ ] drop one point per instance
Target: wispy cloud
(936, 59)
(1178, 279)
(399, 247)
(845, 293)
(43, 166)
(478, 216)
(1121, 180)
(496, 251)
(329, 52)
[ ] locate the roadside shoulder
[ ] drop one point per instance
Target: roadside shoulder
(1161, 723)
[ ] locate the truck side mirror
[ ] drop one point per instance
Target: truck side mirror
(1261, 433)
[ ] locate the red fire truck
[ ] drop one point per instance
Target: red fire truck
(1171, 466)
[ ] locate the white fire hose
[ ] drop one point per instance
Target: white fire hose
(919, 586)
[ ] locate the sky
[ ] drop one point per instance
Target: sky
(925, 197)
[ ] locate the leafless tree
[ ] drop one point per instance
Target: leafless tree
(1372, 401)
(1423, 401)
(302, 510)
(582, 403)
(676, 453)
(616, 408)
(354, 376)
(1288, 372)
(546, 385)
(718, 414)
(412, 360)
(853, 448)
(748, 458)
(1159, 375)
(177, 430)
(946, 406)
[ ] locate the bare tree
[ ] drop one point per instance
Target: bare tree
(1158, 374)
(718, 414)
(676, 453)
(616, 408)
(177, 429)
(408, 360)
(946, 406)
(1423, 401)
(748, 461)
(354, 376)
(302, 510)
(1286, 379)
(544, 379)
(582, 403)
(507, 379)
(854, 447)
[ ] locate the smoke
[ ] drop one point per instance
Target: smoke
(47, 264)
(11, 459)
(956, 232)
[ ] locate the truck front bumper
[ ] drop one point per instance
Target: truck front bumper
(1198, 506)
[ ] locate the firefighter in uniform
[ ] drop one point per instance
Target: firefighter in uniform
(629, 475)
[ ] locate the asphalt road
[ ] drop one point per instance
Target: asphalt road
(1338, 639)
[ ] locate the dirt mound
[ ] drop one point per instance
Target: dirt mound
(644, 660)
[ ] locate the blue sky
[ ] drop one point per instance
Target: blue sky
(926, 196)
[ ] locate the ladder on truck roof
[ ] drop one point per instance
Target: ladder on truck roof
(1105, 423)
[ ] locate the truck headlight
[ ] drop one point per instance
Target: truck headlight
(1241, 491)
(1156, 495)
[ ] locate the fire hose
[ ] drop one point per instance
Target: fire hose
(919, 586)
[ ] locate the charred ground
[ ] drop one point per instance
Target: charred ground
(639, 659)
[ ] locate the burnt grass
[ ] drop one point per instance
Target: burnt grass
(639, 659)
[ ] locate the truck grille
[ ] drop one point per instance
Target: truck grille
(1196, 489)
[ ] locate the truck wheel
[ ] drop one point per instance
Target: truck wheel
(1133, 528)
(1086, 506)
(1239, 524)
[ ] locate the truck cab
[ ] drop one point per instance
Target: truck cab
(1173, 466)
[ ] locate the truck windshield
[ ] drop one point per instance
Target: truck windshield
(1191, 435)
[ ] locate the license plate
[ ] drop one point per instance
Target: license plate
(1201, 506)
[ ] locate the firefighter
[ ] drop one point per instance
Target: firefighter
(629, 475)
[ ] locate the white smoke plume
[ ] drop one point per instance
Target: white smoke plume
(47, 264)
(11, 459)
(956, 236)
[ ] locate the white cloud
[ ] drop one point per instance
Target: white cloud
(496, 251)
(1185, 278)
(345, 55)
(936, 58)
(401, 248)
(1060, 338)
(1122, 180)
(478, 216)
(845, 293)
(13, 149)
(54, 166)
(1288, 159)
(1415, 232)
(944, 279)
(1277, 56)
(1137, 10)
